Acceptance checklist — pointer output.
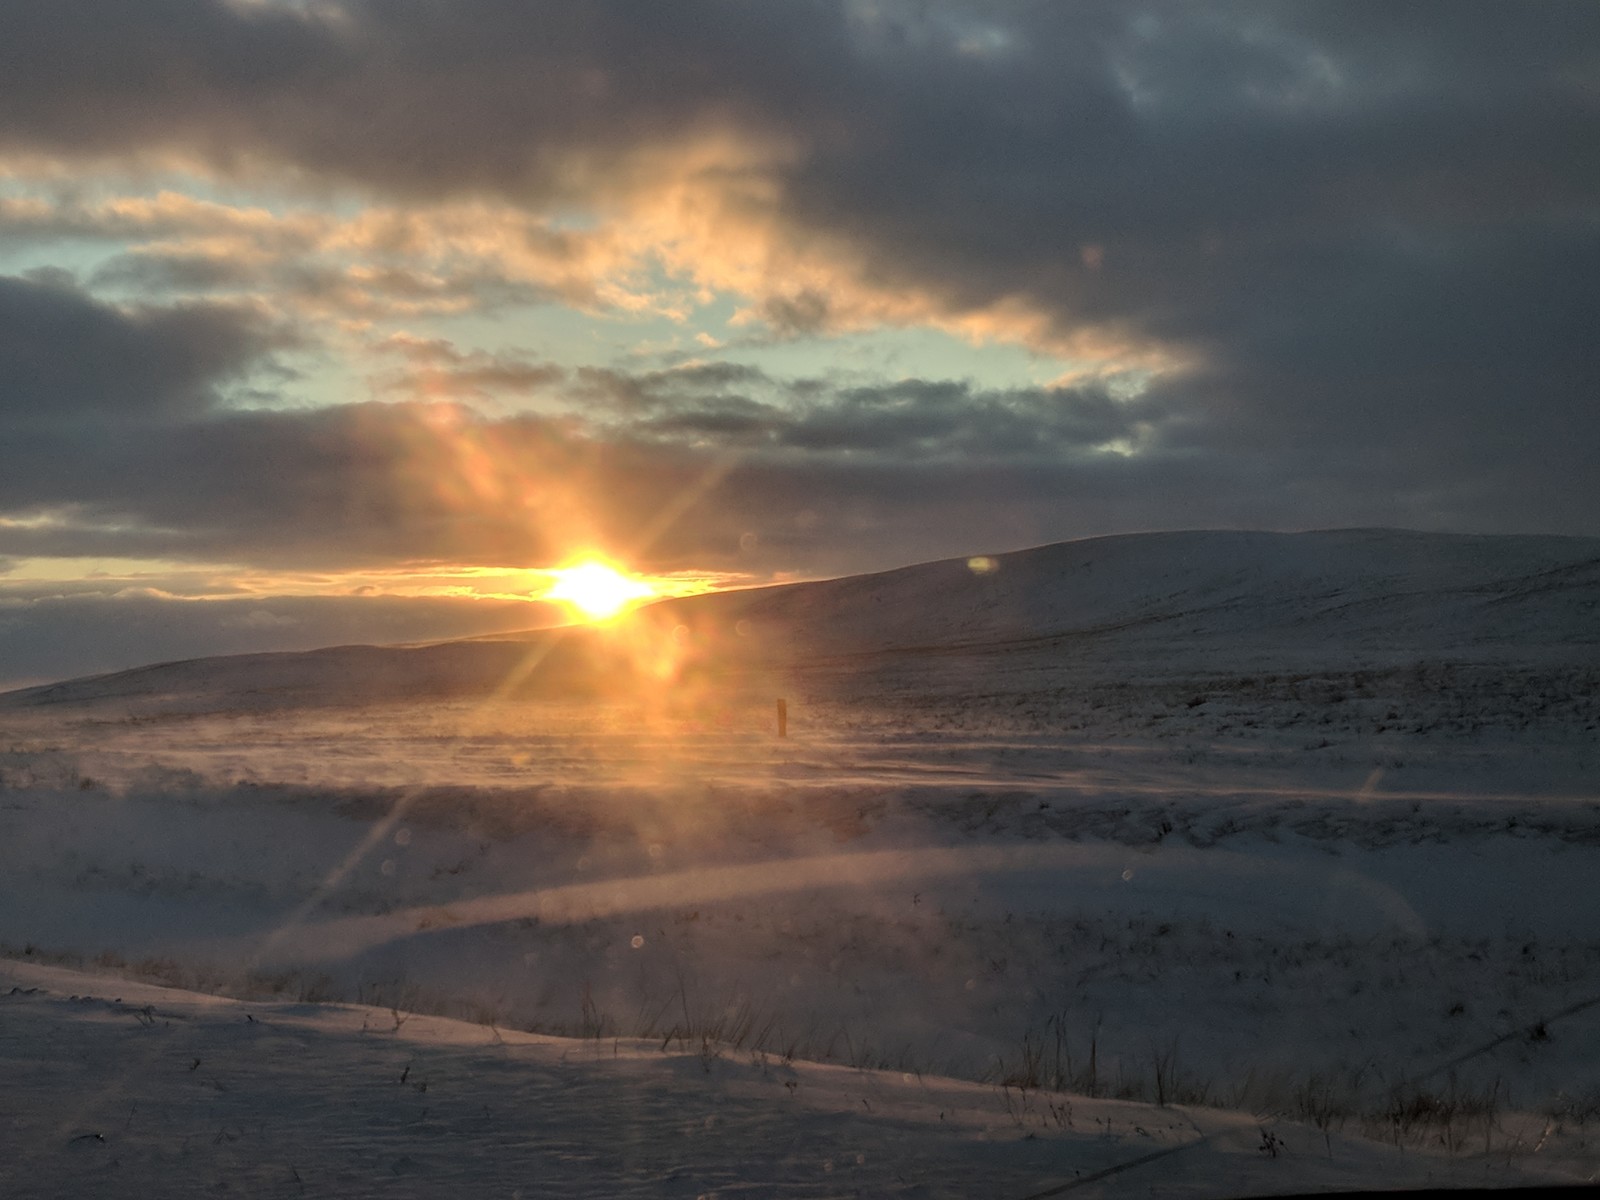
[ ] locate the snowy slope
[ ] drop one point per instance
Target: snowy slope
(1050, 827)
(1185, 601)
(142, 1091)
(1425, 591)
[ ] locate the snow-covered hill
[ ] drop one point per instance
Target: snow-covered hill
(1338, 587)
(1180, 602)
(1304, 827)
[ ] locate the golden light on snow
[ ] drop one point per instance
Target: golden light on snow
(596, 590)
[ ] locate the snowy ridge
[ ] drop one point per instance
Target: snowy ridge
(1181, 600)
(1378, 585)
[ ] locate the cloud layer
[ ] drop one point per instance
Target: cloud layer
(1320, 264)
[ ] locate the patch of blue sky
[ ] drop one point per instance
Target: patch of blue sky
(550, 333)
(76, 257)
(573, 339)
(896, 353)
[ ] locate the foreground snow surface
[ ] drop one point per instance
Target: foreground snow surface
(1122, 835)
(115, 1088)
(1346, 946)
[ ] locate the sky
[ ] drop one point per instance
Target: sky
(345, 320)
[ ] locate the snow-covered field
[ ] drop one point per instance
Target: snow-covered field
(1281, 848)
(138, 1090)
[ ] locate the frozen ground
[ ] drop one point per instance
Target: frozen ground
(138, 1090)
(1307, 839)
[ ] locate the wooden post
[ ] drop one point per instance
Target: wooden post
(783, 718)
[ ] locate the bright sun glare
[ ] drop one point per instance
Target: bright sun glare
(595, 590)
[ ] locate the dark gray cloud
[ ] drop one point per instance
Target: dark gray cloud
(1372, 230)
(637, 393)
(912, 420)
(67, 358)
(353, 485)
(859, 478)
(422, 97)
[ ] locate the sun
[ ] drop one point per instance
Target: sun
(596, 591)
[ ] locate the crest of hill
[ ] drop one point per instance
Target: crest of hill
(1191, 600)
(1359, 587)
